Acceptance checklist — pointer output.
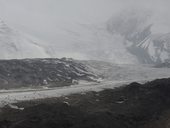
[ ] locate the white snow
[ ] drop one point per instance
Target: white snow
(164, 56)
(152, 51)
(14, 45)
(157, 47)
(15, 107)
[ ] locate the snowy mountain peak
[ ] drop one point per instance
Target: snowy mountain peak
(135, 27)
(157, 47)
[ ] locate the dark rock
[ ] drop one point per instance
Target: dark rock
(37, 72)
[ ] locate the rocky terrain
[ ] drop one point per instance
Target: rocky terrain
(130, 106)
(42, 72)
(53, 72)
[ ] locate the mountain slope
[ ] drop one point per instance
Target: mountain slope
(126, 38)
(113, 40)
(135, 27)
(15, 45)
(157, 47)
(96, 43)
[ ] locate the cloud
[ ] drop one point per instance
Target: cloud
(45, 19)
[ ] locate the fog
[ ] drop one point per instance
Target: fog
(50, 20)
(45, 18)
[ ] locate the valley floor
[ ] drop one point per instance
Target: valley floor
(132, 106)
(26, 94)
(16, 95)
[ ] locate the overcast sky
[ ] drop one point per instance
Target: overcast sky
(45, 18)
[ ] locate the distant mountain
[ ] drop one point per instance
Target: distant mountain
(96, 43)
(135, 27)
(156, 47)
(118, 40)
(126, 38)
(14, 45)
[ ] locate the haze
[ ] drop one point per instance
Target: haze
(44, 18)
(48, 20)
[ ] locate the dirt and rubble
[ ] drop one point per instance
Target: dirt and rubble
(131, 106)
